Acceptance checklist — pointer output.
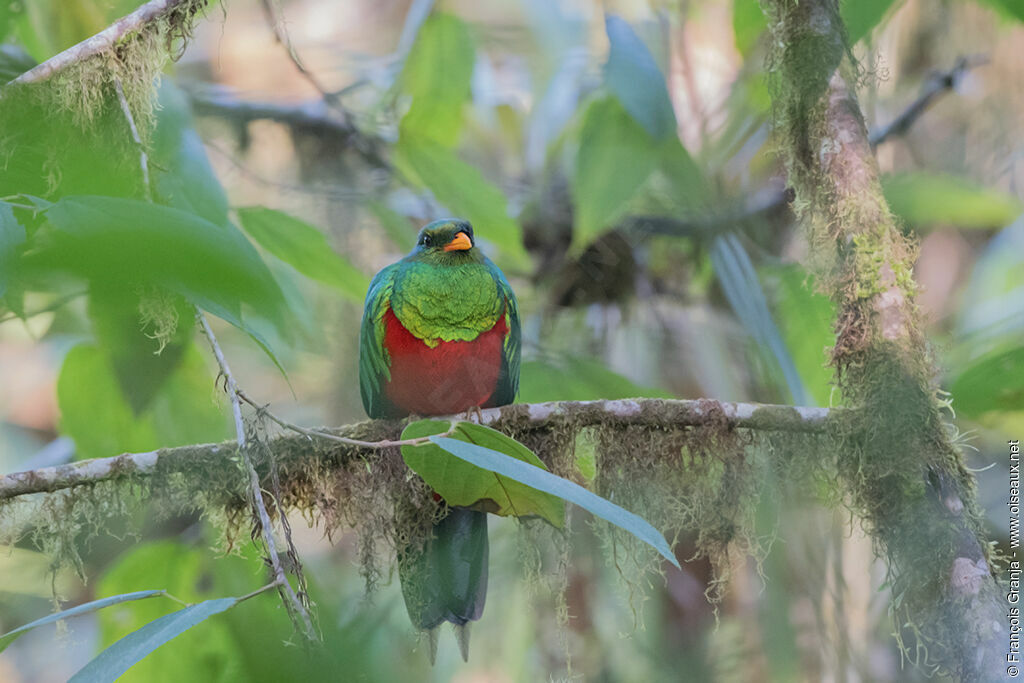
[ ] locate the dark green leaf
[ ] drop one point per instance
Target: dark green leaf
(9, 637)
(437, 74)
(923, 199)
(860, 16)
(12, 236)
(125, 653)
(543, 480)
(464, 192)
(634, 78)
(615, 157)
(461, 483)
(303, 247)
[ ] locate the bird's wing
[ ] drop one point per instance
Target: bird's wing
(374, 363)
(508, 379)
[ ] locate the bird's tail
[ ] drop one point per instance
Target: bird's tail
(446, 580)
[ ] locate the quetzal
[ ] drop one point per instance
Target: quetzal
(440, 335)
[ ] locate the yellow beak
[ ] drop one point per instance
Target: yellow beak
(460, 242)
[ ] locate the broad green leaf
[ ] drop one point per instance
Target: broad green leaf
(133, 243)
(542, 480)
(9, 637)
(95, 413)
(632, 75)
(577, 378)
(993, 382)
(748, 23)
(93, 410)
(125, 653)
(615, 157)
(437, 74)
(463, 190)
(860, 16)
(12, 236)
(303, 247)
(923, 199)
(461, 483)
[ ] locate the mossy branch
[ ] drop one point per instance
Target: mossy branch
(109, 37)
(666, 414)
(899, 463)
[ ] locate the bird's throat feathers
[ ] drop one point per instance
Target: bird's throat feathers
(442, 302)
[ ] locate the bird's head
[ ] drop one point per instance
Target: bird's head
(447, 241)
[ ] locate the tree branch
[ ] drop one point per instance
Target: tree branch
(107, 38)
(649, 412)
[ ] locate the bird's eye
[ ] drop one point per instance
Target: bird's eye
(425, 240)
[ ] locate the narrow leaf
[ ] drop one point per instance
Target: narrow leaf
(12, 236)
(543, 480)
(465, 192)
(125, 653)
(635, 79)
(9, 637)
(303, 247)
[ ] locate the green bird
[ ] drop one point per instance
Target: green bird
(440, 335)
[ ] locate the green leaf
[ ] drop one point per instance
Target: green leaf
(397, 226)
(94, 412)
(125, 653)
(12, 236)
(748, 23)
(635, 79)
(9, 637)
(615, 157)
(181, 170)
(577, 378)
(543, 480)
(993, 382)
(131, 243)
(805, 318)
(437, 73)
(463, 190)
(923, 199)
(461, 483)
(860, 16)
(303, 247)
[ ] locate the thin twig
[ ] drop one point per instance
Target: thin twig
(266, 529)
(315, 433)
(143, 157)
(102, 41)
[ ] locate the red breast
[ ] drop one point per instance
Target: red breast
(451, 377)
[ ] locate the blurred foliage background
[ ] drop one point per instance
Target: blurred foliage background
(616, 161)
